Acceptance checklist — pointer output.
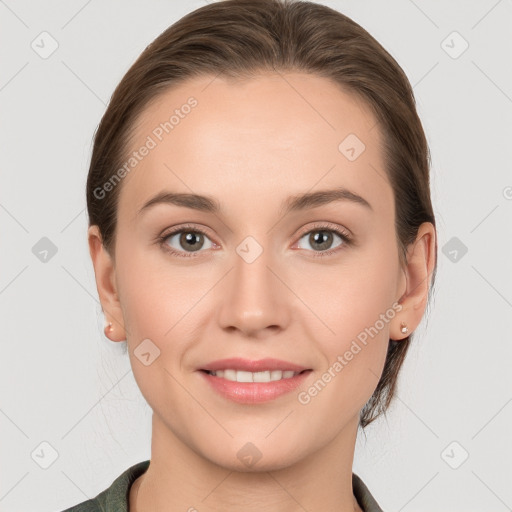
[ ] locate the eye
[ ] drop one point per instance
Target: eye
(321, 239)
(185, 241)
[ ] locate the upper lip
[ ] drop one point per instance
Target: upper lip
(238, 363)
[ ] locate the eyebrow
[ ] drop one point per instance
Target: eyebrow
(295, 203)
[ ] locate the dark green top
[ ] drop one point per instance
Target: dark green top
(115, 497)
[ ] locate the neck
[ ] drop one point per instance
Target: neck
(178, 478)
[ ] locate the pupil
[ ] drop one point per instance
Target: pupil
(323, 238)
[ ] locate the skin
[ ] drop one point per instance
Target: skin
(251, 144)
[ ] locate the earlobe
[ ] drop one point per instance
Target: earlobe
(104, 271)
(421, 258)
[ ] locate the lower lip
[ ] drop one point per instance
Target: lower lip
(254, 392)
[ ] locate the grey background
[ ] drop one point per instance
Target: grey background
(65, 384)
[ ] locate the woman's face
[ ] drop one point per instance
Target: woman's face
(270, 276)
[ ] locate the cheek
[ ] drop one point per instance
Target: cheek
(353, 295)
(156, 294)
(356, 302)
(158, 307)
(168, 306)
(358, 310)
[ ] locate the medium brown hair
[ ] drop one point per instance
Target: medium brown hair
(241, 38)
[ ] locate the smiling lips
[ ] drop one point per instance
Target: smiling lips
(249, 382)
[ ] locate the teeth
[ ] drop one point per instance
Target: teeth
(243, 376)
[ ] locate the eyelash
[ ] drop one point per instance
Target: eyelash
(344, 235)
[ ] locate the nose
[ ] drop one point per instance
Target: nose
(254, 299)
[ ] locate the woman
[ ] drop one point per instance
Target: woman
(263, 239)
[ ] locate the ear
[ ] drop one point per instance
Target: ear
(104, 271)
(421, 258)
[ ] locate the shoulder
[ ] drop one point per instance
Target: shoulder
(115, 497)
(365, 499)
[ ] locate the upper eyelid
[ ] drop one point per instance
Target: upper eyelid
(320, 225)
(329, 226)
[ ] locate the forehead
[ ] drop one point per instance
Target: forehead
(268, 137)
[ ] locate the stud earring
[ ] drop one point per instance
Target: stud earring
(109, 328)
(403, 328)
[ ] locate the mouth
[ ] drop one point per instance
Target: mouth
(247, 381)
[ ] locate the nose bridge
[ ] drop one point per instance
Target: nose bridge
(252, 299)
